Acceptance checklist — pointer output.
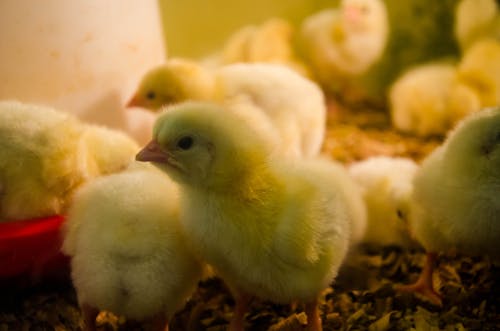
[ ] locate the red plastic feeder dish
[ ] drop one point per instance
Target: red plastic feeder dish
(31, 248)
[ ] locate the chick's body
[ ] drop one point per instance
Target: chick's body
(46, 154)
(429, 99)
(455, 205)
(294, 106)
(128, 252)
(386, 184)
(461, 212)
(269, 42)
(476, 19)
(270, 97)
(270, 229)
(344, 42)
(284, 244)
(41, 160)
(479, 69)
(111, 150)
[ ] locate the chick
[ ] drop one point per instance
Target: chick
(344, 42)
(293, 106)
(41, 160)
(175, 81)
(476, 19)
(111, 150)
(270, 228)
(419, 31)
(429, 99)
(128, 252)
(269, 42)
(455, 203)
(386, 184)
(479, 69)
(46, 154)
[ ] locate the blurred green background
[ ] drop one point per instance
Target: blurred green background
(196, 27)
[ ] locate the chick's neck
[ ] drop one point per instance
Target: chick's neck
(246, 184)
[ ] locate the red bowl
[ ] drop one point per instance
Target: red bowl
(31, 248)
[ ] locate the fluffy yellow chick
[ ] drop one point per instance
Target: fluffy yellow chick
(429, 99)
(479, 69)
(270, 228)
(46, 154)
(110, 150)
(455, 203)
(476, 19)
(344, 42)
(269, 42)
(386, 183)
(128, 252)
(175, 81)
(293, 106)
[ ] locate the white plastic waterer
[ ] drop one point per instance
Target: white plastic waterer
(84, 56)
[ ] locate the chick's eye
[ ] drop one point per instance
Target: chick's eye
(185, 143)
(151, 95)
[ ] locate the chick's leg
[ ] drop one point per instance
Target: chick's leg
(241, 307)
(313, 316)
(424, 285)
(89, 315)
(159, 322)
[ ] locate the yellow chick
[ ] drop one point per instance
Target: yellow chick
(429, 99)
(475, 20)
(455, 203)
(175, 81)
(269, 42)
(46, 154)
(291, 105)
(271, 228)
(344, 42)
(386, 184)
(479, 69)
(111, 150)
(128, 251)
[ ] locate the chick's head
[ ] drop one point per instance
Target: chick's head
(363, 15)
(474, 145)
(175, 81)
(204, 145)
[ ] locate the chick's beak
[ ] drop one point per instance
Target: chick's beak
(352, 14)
(133, 102)
(152, 152)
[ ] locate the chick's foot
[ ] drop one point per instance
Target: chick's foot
(238, 319)
(89, 314)
(159, 322)
(424, 285)
(313, 316)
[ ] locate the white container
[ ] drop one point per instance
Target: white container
(84, 56)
